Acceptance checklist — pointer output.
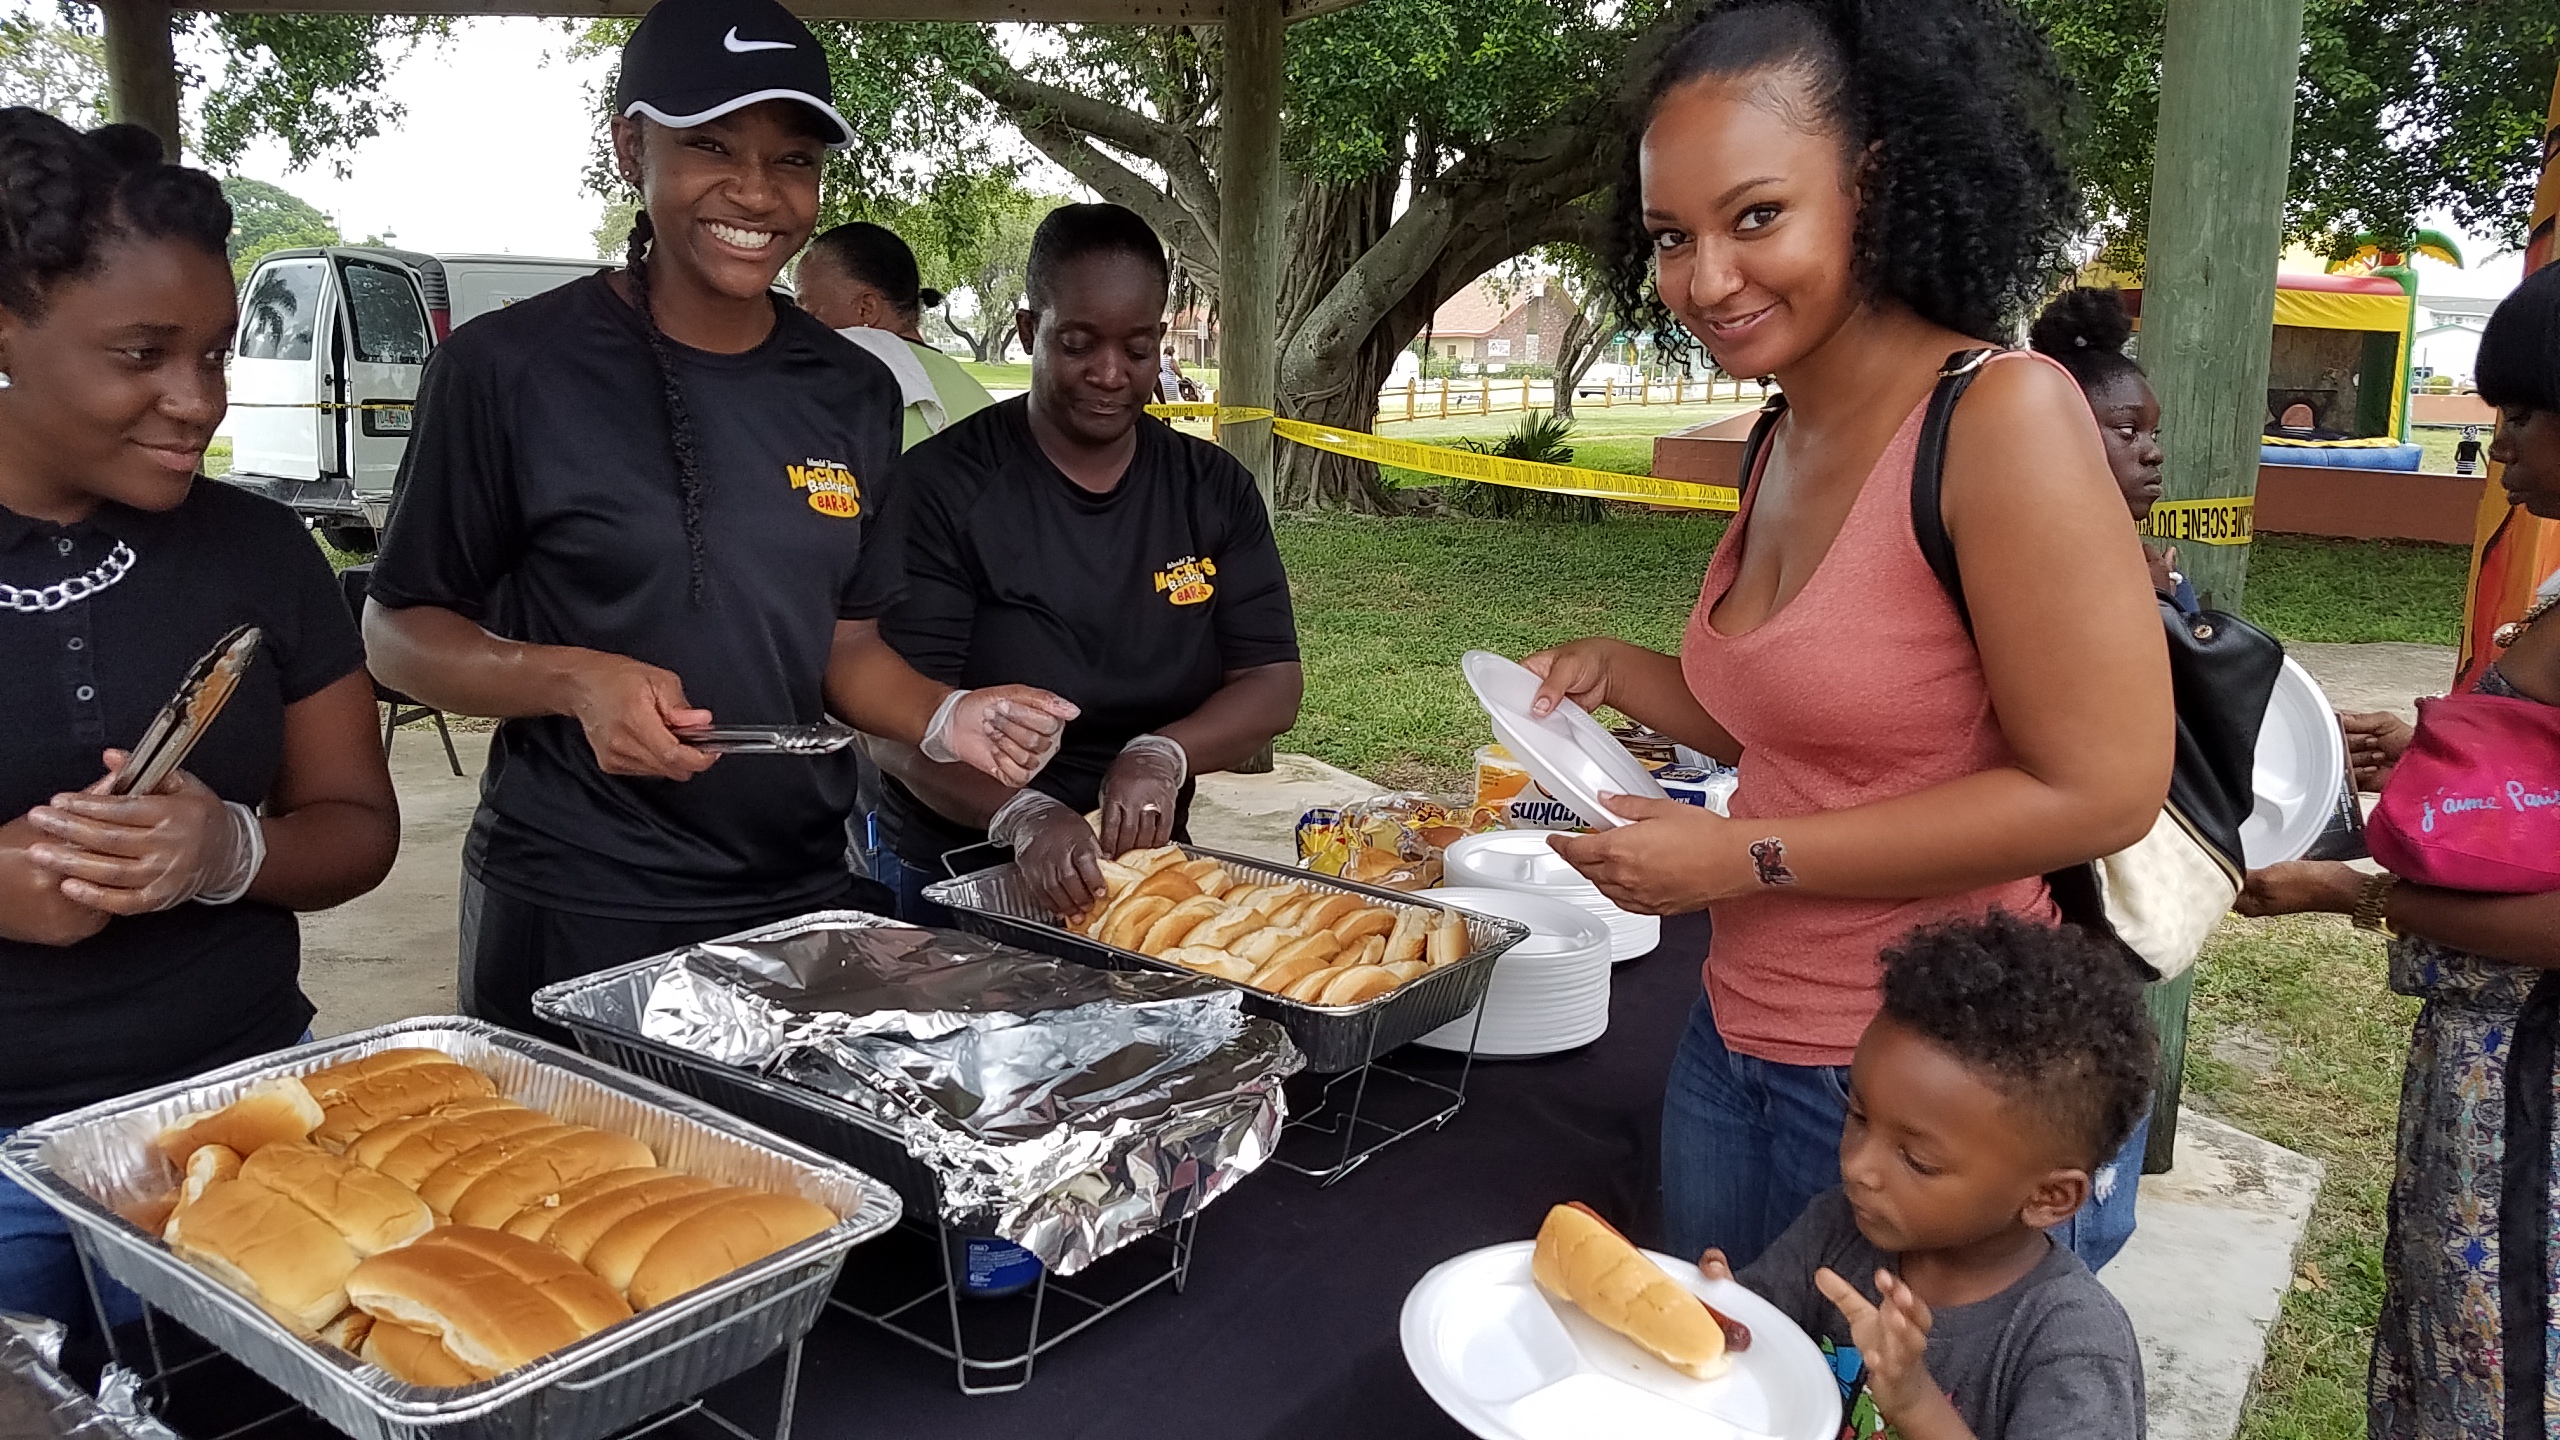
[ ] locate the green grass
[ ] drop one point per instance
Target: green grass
(1015, 375)
(2305, 588)
(2313, 986)
(217, 457)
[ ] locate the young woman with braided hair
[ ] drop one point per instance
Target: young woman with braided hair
(144, 938)
(641, 502)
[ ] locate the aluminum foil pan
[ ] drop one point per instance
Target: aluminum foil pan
(95, 1166)
(1334, 1038)
(1065, 1109)
(39, 1402)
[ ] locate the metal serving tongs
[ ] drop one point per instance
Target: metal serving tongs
(820, 739)
(182, 722)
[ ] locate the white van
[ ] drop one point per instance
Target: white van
(332, 343)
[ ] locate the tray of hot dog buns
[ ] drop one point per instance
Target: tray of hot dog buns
(1351, 971)
(441, 1228)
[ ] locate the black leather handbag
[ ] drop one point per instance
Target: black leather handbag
(2161, 897)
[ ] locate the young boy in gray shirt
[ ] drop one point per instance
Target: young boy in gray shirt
(2009, 1061)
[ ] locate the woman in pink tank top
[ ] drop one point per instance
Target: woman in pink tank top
(1844, 208)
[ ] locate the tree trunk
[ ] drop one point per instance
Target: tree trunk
(1571, 361)
(977, 347)
(1330, 227)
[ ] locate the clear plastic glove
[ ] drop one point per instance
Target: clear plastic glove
(1008, 731)
(133, 854)
(1138, 794)
(1054, 850)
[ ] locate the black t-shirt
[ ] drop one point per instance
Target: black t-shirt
(157, 997)
(540, 499)
(1135, 604)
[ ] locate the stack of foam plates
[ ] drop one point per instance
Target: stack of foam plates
(1550, 992)
(1522, 860)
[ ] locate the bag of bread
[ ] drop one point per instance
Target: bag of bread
(1394, 840)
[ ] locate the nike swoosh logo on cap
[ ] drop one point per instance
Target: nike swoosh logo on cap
(736, 46)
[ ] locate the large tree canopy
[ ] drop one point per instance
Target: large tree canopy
(268, 217)
(2405, 107)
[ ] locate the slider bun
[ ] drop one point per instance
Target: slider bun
(1209, 960)
(269, 1248)
(1260, 945)
(1327, 910)
(1448, 943)
(328, 1085)
(409, 1090)
(1309, 986)
(545, 1171)
(564, 1282)
(1277, 976)
(1410, 938)
(1581, 1260)
(1130, 918)
(534, 1222)
(1357, 983)
(349, 1330)
(1148, 862)
(205, 1168)
(617, 1253)
(1225, 928)
(416, 1357)
(1362, 923)
(445, 1184)
(581, 1225)
(434, 1140)
(272, 1112)
(371, 1210)
(490, 1319)
(1176, 924)
(713, 1242)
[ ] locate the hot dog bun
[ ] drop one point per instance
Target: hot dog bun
(273, 1112)
(416, 1356)
(1580, 1259)
(393, 1095)
(370, 1210)
(712, 1242)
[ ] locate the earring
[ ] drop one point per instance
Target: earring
(5, 381)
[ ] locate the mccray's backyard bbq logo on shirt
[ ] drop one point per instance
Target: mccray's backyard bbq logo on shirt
(1186, 581)
(832, 488)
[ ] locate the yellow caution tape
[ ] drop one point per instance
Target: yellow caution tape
(1502, 470)
(2369, 442)
(1200, 410)
(2223, 520)
(321, 405)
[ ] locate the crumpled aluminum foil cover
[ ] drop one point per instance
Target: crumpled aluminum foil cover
(37, 1402)
(1067, 1109)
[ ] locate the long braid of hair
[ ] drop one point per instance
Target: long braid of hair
(679, 415)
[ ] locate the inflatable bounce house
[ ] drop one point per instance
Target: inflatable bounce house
(2337, 372)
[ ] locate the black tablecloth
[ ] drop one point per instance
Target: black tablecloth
(1288, 1326)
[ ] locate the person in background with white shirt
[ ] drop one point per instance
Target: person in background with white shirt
(860, 280)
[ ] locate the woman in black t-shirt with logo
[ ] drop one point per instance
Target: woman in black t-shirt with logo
(1066, 539)
(635, 505)
(146, 938)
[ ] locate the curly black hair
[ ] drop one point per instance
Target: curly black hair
(2518, 367)
(65, 195)
(2053, 1017)
(2084, 329)
(1958, 108)
(1072, 232)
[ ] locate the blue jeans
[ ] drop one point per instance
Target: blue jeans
(39, 1269)
(908, 882)
(1746, 1143)
(2105, 1221)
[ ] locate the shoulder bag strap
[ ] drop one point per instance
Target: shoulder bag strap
(1771, 411)
(1928, 469)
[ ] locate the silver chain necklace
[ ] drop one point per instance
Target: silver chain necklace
(64, 593)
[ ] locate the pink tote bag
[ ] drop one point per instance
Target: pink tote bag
(2475, 803)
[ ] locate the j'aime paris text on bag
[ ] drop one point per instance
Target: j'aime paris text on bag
(2475, 803)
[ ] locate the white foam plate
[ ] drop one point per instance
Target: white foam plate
(1517, 860)
(2302, 762)
(1550, 992)
(1566, 752)
(1509, 1364)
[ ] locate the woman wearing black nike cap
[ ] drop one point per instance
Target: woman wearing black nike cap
(635, 505)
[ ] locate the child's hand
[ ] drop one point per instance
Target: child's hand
(1713, 1266)
(1894, 1339)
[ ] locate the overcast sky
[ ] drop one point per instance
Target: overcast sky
(500, 126)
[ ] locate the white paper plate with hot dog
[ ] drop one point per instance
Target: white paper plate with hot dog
(1510, 1362)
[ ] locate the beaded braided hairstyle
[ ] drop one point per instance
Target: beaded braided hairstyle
(65, 196)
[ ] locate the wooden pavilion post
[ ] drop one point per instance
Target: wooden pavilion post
(2227, 72)
(1249, 217)
(142, 67)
